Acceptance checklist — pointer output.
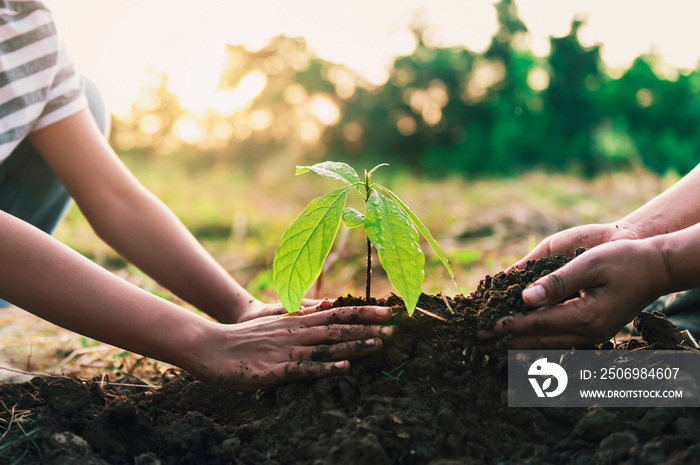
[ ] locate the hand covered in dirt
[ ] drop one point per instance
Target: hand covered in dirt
(267, 351)
(610, 285)
(588, 236)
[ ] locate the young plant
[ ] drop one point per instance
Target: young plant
(389, 224)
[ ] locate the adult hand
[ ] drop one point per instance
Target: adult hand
(588, 236)
(267, 351)
(615, 282)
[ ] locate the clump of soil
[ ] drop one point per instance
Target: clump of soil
(432, 397)
(501, 295)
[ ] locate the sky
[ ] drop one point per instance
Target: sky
(114, 43)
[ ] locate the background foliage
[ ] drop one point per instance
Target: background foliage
(503, 111)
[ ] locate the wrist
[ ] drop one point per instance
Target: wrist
(680, 251)
(230, 305)
(660, 261)
(624, 229)
(652, 222)
(187, 350)
(242, 305)
(248, 309)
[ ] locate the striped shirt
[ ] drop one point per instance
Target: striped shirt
(38, 83)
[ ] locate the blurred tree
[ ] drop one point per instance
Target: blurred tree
(449, 110)
(516, 126)
(417, 111)
(659, 115)
(571, 103)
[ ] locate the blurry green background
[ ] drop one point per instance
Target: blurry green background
(493, 150)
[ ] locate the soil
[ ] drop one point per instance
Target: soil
(434, 396)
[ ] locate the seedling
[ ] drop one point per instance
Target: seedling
(389, 224)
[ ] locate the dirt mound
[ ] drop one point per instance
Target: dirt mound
(432, 397)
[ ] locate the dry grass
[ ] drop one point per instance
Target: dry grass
(34, 347)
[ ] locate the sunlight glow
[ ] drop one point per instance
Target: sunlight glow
(150, 123)
(538, 79)
(644, 98)
(113, 43)
(261, 119)
(325, 110)
(229, 101)
(406, 125)
(352, 131)
(309, 132)
(188, 129)
(294, 94)
(485, 74)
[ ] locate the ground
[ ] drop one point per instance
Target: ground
(434, 396)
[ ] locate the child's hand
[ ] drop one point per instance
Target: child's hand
(258, 309)
(271, 350)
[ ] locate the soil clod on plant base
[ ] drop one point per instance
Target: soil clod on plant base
(432, 397)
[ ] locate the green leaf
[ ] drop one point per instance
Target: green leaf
(421, 227)
(353, 218)
(304, 247)
(390, 231)
(333, 170)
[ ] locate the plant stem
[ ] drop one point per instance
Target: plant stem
(368, 285)
(369, 270)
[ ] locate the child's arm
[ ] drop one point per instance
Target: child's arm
(135, 223)
(45, 277)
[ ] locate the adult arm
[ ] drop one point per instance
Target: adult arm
(678, 207)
